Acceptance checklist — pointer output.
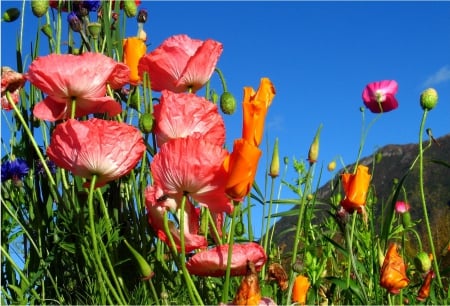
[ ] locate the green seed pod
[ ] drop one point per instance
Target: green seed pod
(428, 99)
(11, 15)
(130, 8)
(422, 262)
(39, 7)
(227, 103)
(146, 123)
(94, 29)
(239, 230)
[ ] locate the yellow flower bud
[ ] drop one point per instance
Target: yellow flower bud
(275, 164)
(331, 166)
(313, 153)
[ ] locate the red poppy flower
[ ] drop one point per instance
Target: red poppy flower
(181, 63)
(182, 114)
(12, 81)
(158, 205)
(192, 166)
(213, 262)
(83, 78)
(393, 272)
(424, 291)
(355, 187)
(379, 97)
(108, 149)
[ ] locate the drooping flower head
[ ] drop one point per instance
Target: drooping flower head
(379, 97)
(14, 170)
(255, 106)
(393, 272)
(355, 187)
(12, 81)
(158, 205)
(192, 166)
(181, 63)
(402, 207)
(82, 78)
(213, 262)
(183, 114)
(108, 149)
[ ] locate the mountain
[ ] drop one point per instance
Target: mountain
(393, 165)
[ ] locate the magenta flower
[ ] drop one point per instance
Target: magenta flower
(402, 207)
(82, 78)
(181, 63)
(379, 97)
(182, 114)
(213, 262)
(108, 149)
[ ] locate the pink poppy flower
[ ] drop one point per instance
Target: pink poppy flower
(12, 81)
(83, 78)
(192, 166)
(183, 114)
(108, 149)
(181, 63)
(402, 207)
(213, 262)
(379, 97)
(158, 205)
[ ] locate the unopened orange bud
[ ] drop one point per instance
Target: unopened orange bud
(300, 289)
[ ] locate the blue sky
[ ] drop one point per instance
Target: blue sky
(320, 56)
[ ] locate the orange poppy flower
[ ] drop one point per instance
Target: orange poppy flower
(393, 272)
(133, 49)
(355, 187)
(300, 289)
(241, 166)
(249, 292)
(255, 107)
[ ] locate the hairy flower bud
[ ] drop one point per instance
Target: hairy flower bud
(146, 123)
(422, 262)
(11, 15)
(130, 8)
(227, 103)
(428, 99)
(39, 7)
(144, 267)
(47, 30)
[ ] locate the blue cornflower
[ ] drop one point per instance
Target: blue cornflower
(40, 168)
(14, 169)
(91, 6)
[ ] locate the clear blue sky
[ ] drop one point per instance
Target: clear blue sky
(319, 55)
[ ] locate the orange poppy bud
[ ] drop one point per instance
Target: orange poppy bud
(424, 291)
(133, 49)
(241, 166)
(393, 272)
(255, 107)
(300, 289)
(355, 187)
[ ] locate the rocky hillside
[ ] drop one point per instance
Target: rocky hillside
(395, 162)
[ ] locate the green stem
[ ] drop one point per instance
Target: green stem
(226, 286)
(267, 229)
(99, 266)
(422, 197)
(222, 79)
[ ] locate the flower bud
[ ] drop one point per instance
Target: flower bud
(313, 153)
(142, 16)
(11, 15)
(239, 229)
(74, 22)
(286, 160)
(39, 7)
(275, 164)
(227, 103)
(428, 99)
(422, 262)
(130, 8)
(331, 166)
(94, 29)
(300, 289)
(146, 123)
(47, 30)
(144, 267)
(214, 97)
